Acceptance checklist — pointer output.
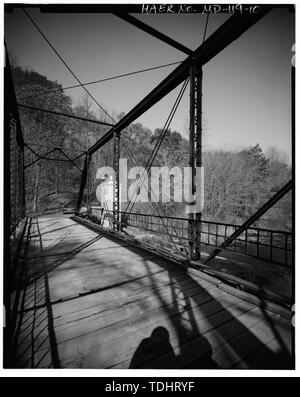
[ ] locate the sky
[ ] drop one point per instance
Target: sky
(246, 87)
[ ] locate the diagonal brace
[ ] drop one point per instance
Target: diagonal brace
(262, 210)
(146, 28)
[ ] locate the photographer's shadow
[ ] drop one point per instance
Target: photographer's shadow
(156, 352)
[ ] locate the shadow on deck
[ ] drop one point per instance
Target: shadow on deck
(86, 300)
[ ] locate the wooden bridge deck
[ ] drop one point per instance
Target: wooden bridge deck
(90, 301)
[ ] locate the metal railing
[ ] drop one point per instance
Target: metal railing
(267, 244)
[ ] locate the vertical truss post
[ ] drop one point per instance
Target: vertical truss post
(195, 155)
(116, 187)
(83, 183)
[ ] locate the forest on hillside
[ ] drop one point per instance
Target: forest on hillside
(237, 181)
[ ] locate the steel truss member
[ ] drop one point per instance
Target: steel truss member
(195, 160)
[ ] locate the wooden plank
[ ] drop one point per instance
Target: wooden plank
(208, 324)
(119, 347)
(244, 344)
(259, 357)
(103, 327)
(110, 281)
(267, 305)
(229, 347)
(131, 308)
(125, 297)
(197, 352)
(114, 334)
(31, 347)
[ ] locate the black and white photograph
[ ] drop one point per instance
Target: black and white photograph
(149, 187)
